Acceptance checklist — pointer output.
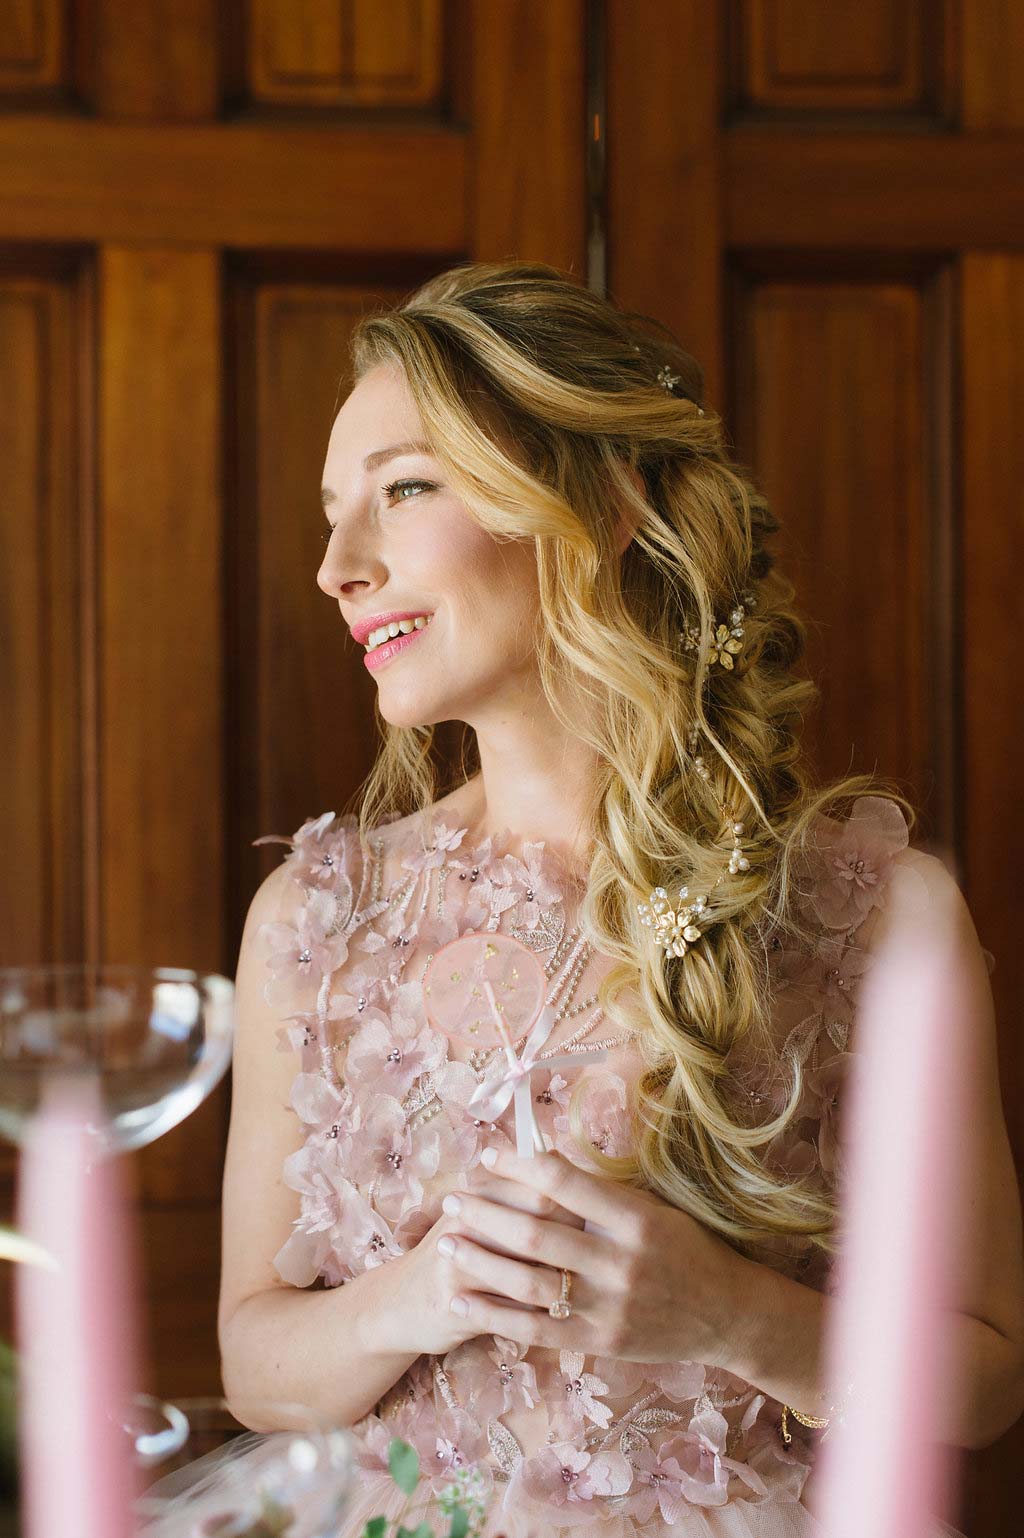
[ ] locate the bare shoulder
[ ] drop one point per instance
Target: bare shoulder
(920, 887)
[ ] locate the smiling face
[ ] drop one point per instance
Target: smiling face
(415, 548)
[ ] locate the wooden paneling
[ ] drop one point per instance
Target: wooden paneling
(162, 678)
(45, 598)
(837, 235)
(873, 193)
(992, 66)
(820, 201)
(877, 59)
(343, 53)
(302, 682)
(992, 557)
(157, 61)
(245, 185)
(33, 52)
(831, 407)
(526, 184)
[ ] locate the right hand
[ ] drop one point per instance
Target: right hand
(421, 1283)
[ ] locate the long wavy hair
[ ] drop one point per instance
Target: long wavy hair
(540, 397)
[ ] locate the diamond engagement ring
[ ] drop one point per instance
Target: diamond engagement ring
(561, 1308)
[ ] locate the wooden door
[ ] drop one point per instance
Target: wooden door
(197, 197)
(825, 202)
(196, 202)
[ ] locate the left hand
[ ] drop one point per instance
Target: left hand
(653, 1286)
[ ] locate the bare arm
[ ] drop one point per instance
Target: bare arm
(311, 1348)
(778, 1327)
(279, 1342)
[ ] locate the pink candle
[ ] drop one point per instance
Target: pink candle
(76, 1327)
(884, 1472)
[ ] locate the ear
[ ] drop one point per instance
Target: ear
(628, 519)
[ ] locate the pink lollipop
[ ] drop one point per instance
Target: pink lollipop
(487, 990)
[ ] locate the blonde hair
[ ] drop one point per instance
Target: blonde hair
(539, 396)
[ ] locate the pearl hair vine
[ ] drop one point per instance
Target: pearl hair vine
(677, 924)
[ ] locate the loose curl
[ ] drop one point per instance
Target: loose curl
(542, 401)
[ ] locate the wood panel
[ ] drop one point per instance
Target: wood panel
(245, 185)
(162, 677)
(992, 555)
(992, 67)
(873, 192)
(304, 735)
(34, 50)
(830, 406)
(880, 59)
(46, 675)
(664, 207)
(156, 61)
(344, 53)
(526, 194)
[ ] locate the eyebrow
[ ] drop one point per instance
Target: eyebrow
(375, 460)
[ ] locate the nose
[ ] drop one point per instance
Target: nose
(344, 569)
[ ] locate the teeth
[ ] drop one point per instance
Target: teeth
(396, 627)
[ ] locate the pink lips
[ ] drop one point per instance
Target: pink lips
(384, 653)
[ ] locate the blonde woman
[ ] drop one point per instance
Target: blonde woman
(534, 528)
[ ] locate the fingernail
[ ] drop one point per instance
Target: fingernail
(451, 1204)
(459, 1306)
(488, 1157)
(446, 1244)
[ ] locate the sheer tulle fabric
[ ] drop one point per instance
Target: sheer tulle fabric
(377, 1495)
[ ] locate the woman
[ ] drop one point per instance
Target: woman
(535, 529)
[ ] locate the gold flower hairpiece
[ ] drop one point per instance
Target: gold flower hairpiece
(725, 640)
(677, 926)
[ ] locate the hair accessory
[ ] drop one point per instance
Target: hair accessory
(817, 1421)
(668, 381)
(726, 640)
(676, 928)
(561, 1308)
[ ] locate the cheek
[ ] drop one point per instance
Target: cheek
(490, 582)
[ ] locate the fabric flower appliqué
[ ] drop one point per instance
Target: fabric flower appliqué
(572, 1395)
(854, 860)
(564, 1476)
(386, 1056)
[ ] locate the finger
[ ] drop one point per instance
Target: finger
(527, 1326)
(524, 1235)
(513, 1194)
(592, 1197)
(537, 1286)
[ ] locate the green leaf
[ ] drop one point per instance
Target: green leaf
(460, 1524)
(375, 1527)
(424, 1530)
(404, 1463)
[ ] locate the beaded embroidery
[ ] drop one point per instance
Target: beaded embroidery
(365, 1170)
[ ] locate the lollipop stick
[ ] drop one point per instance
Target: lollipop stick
(535, 1132)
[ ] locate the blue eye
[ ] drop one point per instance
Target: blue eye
(389, 490)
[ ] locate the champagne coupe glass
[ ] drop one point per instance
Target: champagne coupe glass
(203, 1474)
(155, 1041)
(102, 1059)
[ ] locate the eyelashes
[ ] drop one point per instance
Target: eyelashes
(388, 492)
(393, 486)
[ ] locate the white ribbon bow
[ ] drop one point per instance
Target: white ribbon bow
(511, 1079)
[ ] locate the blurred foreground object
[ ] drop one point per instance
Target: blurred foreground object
(903, 1207)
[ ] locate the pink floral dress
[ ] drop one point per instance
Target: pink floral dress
(565, 1442)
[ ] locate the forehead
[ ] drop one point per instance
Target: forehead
(380, 404)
